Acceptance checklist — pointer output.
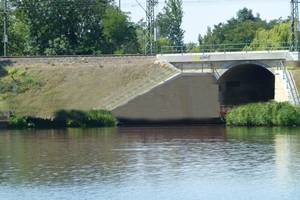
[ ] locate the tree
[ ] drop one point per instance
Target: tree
(141, 27)
(236, 33)
(276, 38)
(170, 21)
(200, 39)
(119, 33)
(246, 14)
(75, 24)
(75, 27)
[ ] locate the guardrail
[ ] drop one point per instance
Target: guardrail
(207, 48)
(223, 48)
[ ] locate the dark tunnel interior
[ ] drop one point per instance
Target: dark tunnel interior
(246, 84)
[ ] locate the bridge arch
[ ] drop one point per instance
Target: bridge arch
(246, 82)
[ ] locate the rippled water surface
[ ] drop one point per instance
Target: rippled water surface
(168, 163)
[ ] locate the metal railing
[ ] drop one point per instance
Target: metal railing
(291, 86)
(224, 48)
(203, 48)
(216, 73)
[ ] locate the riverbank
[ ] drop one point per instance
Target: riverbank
(251, 115)
(63, 119)
(264, 114)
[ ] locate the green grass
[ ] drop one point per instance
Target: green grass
(63, 118)
(264, 114)
(93, 118)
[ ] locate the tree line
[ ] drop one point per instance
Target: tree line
(95, 27)
(53, 27)
(245, 31)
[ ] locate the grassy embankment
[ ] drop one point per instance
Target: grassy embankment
(75, 83)
(39, 87)
(264, 114)
(17, 81)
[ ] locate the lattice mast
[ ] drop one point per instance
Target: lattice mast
(150, 33)
(294, 25)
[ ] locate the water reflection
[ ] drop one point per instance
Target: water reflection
(151, 163)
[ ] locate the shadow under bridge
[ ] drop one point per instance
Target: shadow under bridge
(246, 83)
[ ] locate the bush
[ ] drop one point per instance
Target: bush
(63, 118)
(264, 114)
(94, 118)
(72, 118)
(18, 122)
(101, 118)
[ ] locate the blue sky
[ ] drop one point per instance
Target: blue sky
(199, 14)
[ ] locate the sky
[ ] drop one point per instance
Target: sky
(199, 14)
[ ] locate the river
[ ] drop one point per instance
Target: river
(150, 163)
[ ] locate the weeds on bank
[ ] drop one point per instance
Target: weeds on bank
(264, 114)
(63, 119)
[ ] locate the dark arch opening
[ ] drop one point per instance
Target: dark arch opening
(246, 83)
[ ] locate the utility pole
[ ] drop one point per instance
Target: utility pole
(5, 37)
(294, 25)
(150, 33)
(120, 4)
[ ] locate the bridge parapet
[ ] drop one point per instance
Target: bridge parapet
(229, 56)
(218, 60)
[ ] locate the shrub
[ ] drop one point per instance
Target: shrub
(18, 122)
(101, 118)
(94, 118)
(63, 118)
(264, 114)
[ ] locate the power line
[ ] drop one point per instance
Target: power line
(294, 25)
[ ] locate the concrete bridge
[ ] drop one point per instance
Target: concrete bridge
(227, 60)
(169, 87)
(255, 75)
(208, 81)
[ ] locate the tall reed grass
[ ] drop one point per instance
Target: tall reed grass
(264, 114)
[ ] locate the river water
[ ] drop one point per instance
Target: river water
(150, 163)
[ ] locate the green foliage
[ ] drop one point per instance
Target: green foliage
(63, 118)
(239, 30)
(192, 48)
(245, 15)
(18, 122)
(141, 35)
(76, 118)
(162, 45)
(119, 33)
(74, 27)
(20, 81)
(98, 118)
(170, 20)
(275, 38)
(58, 46)
(264, 114)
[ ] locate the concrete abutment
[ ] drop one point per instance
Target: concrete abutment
(208, 83)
